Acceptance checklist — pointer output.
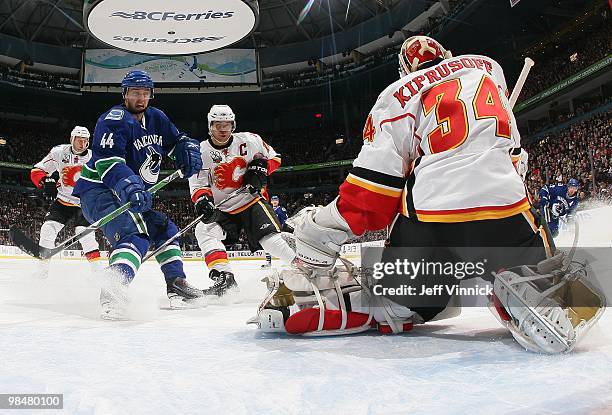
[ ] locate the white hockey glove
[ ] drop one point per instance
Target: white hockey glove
(319, 235)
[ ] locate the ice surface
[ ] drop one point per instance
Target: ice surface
(207, 361)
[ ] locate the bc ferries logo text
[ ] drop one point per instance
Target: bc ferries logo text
(163, 16)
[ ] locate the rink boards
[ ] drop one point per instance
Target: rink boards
(349, 251)
(598, 236)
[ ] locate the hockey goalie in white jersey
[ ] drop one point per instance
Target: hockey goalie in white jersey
(67, 160)
(227, 193)
(438, 167)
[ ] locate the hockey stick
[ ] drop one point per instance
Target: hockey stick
(175, 237)
(32, 248)
(186, 228)
(546, 209)
(520, 81)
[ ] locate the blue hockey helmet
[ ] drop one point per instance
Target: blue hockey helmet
(573, 183)
(137, 79)
(274, 198)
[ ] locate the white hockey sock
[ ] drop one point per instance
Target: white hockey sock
(48, 233)
(88, 242)
(276, 246)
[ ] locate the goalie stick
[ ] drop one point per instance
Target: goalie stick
(32, 248)
(520, 81)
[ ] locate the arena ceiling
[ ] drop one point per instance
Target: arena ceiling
(60, 22)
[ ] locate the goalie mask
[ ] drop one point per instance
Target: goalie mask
(418, 52)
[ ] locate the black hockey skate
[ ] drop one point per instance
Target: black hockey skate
(183, 295)
(224, 283)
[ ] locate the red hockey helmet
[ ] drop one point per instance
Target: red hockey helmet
(417, 51)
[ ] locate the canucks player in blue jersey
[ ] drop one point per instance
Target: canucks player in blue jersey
(558, 201)
(129, 143)
(280, 211)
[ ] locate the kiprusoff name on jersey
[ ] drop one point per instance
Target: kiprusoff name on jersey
(146, 140)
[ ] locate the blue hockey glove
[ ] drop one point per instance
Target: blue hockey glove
(131, 189)
(188, 157)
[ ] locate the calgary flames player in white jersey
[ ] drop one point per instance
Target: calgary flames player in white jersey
(436, 167)
(233, 161)
(67, 160)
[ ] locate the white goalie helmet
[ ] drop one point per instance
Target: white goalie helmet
(79, 131)
(221, 113)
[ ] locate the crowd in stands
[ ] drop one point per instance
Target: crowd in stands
(313, 145)
(43, 80)
(27, 142)
(566, 154)
(557, 63)
(319, 73)
(295, 146)
(559, 116)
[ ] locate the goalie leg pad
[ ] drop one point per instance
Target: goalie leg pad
(307, 322)
(327, 303)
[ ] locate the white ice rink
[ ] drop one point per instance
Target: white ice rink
(207, 361)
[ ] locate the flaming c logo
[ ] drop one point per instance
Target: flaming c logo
(230, 175)
(70, 174)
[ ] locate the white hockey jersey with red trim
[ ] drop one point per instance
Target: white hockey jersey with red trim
(223, 169)
(61, 159)
(437, 146)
